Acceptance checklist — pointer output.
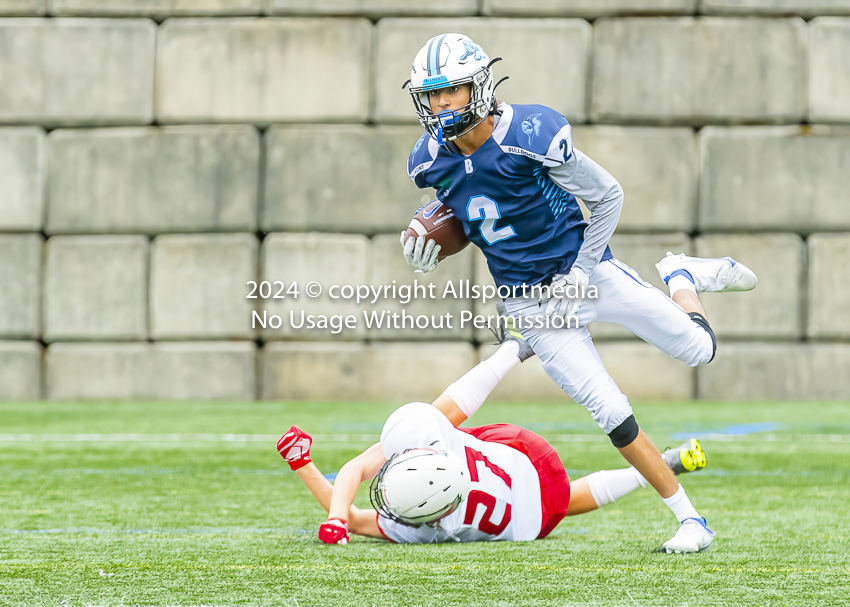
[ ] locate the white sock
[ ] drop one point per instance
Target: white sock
(607, 486)
(681, 279)
(471, 390)
(681, 505)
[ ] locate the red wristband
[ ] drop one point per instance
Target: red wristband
(298, 464)
(334, 531)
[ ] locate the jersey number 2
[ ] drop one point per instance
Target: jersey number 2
(476, 497)
(482, 207)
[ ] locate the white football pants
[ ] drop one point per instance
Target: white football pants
(571, 360)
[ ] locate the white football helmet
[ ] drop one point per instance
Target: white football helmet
(420, 486)
(450, 60)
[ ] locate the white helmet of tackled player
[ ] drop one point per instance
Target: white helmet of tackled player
(451, 60)
(420, 486)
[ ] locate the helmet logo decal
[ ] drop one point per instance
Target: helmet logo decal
(473, 50)
(432, 81)
(531, 126)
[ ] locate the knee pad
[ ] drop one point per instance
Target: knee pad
(624, 434)
(701, 321)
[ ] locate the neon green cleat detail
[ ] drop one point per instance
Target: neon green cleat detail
(507, 331)
(689, 457)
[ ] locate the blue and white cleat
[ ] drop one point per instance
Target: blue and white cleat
(688, 457)
(712, 274)
(693, 536)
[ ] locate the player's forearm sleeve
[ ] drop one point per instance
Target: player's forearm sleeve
(602, 194)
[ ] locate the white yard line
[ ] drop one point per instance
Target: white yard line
(773, 437)
(359, 437)
(172, 438)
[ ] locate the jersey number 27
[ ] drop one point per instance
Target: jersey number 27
(482, 207)
(476, 497)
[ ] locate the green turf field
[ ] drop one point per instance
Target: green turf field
(193, 506)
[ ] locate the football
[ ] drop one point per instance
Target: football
(437, 222)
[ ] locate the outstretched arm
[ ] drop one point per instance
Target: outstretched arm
(295, 446)
(318, 485)
(341, 505)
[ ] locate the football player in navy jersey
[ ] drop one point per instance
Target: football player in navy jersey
(511, 174)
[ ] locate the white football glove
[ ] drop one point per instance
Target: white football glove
(423, 257)
(559, 304)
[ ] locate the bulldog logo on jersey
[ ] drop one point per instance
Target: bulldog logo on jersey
(419, 144)
(471, 50)
(531, 126)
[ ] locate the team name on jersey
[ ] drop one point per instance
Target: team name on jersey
(510, 149)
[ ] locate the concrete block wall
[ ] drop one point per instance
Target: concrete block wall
(316, 175)
(717, 59)
(59, 72)
(152, 180)
(20, 371)
(287, 259)
(829, 81)
(144, 371)
(158, 157)
(22, 165)
(789, 178)
(21, 277)
(658, 169)
(243, 70)
(199, 286)
(95, 287)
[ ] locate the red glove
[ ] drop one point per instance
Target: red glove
(294, 447)
(334, 531)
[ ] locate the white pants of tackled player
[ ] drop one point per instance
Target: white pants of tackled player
(570, 358)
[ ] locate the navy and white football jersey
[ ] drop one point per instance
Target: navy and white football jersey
(528, 228)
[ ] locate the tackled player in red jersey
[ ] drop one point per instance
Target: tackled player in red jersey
(434, 482)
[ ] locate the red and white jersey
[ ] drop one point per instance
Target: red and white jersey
(504, 501)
